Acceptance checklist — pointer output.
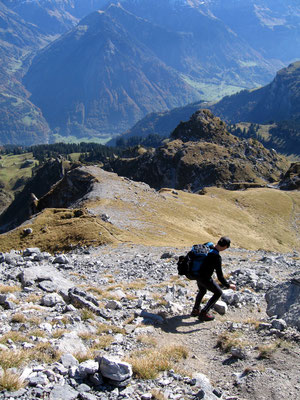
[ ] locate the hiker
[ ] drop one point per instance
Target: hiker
(212, 262)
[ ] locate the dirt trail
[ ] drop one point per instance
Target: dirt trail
(252, 378)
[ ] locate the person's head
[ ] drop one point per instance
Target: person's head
(223, 243)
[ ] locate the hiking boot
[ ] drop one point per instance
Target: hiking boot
(195, 312)
(203, 316)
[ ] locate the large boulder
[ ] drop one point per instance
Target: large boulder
(283, 301)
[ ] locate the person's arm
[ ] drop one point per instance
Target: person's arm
(220, 275)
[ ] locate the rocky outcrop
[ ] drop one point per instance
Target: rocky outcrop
(202, 153)
(202, 126)
(283, 301)
(291, 180)
(73, 186)
(53, 188)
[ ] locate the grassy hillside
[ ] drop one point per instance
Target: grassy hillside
(254, 219)
(15, 167)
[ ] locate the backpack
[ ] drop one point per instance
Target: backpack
(190, 264)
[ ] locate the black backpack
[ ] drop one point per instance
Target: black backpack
(190, 264)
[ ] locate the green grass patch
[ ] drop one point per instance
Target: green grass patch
(212, 92)
(14, 172)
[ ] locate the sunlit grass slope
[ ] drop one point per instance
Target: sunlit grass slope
(14, 168)
(254, 219)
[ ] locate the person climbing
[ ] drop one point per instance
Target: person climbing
(211, 263)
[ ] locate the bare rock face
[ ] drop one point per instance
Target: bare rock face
(291, 180)
(283, 301)
(25, 203)
(74, 185)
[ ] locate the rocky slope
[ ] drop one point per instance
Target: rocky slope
(202, 153)
(95, 324)
(291, 179)
(53, 17)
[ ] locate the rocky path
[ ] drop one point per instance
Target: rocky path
(69, 316)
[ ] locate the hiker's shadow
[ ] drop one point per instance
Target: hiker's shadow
(171, 324)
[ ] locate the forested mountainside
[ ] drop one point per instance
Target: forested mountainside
(21, 120)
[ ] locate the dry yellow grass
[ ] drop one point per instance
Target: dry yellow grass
(10, 381)
(53, 232)
(146, 364)
(104, 328)
(227, 340)
(261, 218)
(4, 289)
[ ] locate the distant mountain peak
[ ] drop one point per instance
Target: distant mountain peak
(203, 126)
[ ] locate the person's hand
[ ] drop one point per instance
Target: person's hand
(232, 286)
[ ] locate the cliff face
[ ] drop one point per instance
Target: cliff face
(24, 204)
(74, 185)
(51, 187)
(291, 180)
(202, 153)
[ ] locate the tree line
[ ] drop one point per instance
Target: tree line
(88, 152)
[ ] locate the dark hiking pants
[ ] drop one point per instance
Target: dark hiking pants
(204, 286)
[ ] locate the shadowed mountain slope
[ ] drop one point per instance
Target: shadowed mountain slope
(101, 78)
(21, 120)
(280, 100)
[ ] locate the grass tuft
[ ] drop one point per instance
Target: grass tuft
(18, 318)
(227, 340)
(104, 328)
(4, 289)
(10, 381)
(158, 395)
(147, 340)
(86, 314)
(44, 353)
(15, 336)
(147, 364)
(12, 358)
(89, 355)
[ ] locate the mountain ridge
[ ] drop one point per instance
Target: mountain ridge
(276, 102)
